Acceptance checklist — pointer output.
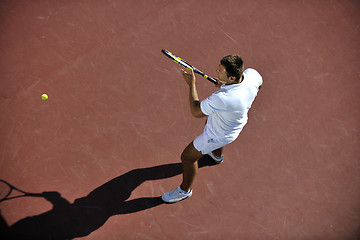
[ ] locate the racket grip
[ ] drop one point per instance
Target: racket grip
(213, 80)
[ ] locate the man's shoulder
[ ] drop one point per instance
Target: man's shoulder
(253, 75)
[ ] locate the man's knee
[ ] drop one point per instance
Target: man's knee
(190, 154)
(185, 157)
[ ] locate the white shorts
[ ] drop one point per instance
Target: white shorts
(206, 144)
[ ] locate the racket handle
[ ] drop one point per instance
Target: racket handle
(213, 80)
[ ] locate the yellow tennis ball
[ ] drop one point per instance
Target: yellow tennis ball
(44, 96)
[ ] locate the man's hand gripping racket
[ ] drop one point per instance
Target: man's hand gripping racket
(187, 66)
(189, 77)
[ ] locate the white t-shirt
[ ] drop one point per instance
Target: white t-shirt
(227, 109)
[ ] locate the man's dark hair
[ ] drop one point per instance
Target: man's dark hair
(234, 66)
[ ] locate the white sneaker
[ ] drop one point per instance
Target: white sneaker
(217, 159)
(176, 195)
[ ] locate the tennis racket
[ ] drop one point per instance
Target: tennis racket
(186, 65)
(7, 192)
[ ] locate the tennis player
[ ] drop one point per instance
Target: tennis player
(227, 112)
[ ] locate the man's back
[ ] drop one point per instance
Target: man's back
(227, 108)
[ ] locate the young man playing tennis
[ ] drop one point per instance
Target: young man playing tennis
(227, 111)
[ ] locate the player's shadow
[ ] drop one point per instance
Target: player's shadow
(70, 220)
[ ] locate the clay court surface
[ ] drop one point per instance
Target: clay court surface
(106, 144)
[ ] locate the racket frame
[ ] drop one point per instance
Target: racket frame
(186, 65)
(11, 188)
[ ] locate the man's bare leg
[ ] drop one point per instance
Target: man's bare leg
(218, 152)
(189, 159)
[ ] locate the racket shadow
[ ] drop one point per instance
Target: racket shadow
(71, 220)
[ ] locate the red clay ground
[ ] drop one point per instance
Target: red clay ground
(117, 105)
